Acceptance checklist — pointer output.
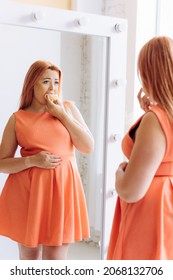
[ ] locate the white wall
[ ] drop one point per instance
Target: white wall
(62, 4)
(87, 6)
(146, 27)
(166, 19)
(71, 66)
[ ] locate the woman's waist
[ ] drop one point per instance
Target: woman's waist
(165, 169)
(60, 153)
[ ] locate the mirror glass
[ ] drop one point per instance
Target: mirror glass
(83, 60)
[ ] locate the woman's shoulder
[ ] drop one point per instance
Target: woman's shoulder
(11, 121)
(150, 118)
(72, 109)
(162, 117)
(70, 106)
(152, 127)
(69, 103)
(159, 112)
(17, 115)
(18, 112)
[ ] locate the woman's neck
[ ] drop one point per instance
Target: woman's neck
(36, 108)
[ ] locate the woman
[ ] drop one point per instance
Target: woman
(143, 220)
(42, 205)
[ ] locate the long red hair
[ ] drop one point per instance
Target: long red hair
(155, 67)
(33, 74)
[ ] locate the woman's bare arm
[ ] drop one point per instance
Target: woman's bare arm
(10, 164)
(134, 179)
(72, 119)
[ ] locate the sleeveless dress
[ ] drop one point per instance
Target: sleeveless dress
(44, 206)
(144, 229)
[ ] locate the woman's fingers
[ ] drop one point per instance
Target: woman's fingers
(144, 100)
(47, 160)
(140, 94)
(55, 159)
(53, 99)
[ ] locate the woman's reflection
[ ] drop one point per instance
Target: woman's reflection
(42, 205)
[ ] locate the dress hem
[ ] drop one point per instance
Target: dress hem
(44, 243)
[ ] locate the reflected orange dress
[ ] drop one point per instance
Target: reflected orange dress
(144, 230)
(44, 206)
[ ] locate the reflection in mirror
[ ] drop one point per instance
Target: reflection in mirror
(83, 62)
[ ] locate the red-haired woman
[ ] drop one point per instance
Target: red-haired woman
(143, 222)
(42, 205)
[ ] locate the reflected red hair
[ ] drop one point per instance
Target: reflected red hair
(155, 68)
(33, 74)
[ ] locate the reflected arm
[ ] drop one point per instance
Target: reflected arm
(72, 119)
(79, 132)
(10, 164)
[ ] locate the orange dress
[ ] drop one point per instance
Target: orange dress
(144, 230)
(44, 206)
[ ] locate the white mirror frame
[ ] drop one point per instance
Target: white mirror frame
(115, 29)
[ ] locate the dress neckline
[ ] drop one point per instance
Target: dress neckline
(33, 112)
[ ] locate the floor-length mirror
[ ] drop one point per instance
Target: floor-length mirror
(83, 60)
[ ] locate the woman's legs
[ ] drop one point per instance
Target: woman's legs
(43, 252)
(55, 252)
(26, 253)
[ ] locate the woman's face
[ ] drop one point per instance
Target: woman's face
(48, 83)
